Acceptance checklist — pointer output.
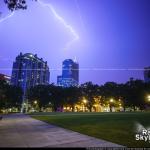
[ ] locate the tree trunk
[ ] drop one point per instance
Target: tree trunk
(90, 108)
(72, 108)
(124, 108)
(54, 108)
(134, 108)
(110, 109)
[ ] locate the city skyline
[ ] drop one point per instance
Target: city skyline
(112, 35)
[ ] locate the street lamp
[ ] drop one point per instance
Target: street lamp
(148, 98)
(35, 106)
(84, 101)
(111, 100)
(35, 102)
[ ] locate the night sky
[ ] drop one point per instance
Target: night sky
(113, 34)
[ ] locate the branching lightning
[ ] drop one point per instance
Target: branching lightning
(7, 17)
(66, 25)
(59, 18)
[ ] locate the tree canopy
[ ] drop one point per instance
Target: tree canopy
(16, 4)
(10, 96)
(131, 94)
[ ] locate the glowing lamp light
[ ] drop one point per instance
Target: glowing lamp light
(111, 100)
(148, 97)
(85, 101)
(35, 102)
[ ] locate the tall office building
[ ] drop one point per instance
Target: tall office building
(70, 74)
(147, 74)
(28, 71)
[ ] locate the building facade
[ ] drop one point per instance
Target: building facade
(147, 74)
(70, 74)
(28, 71)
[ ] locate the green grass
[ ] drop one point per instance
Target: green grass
(115, 127)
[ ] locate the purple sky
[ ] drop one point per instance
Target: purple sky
(113, 34)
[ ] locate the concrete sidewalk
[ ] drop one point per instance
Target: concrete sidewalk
(18, 130)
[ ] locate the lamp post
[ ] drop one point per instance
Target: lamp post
(35, 105)
(111, 102)
(148, 98)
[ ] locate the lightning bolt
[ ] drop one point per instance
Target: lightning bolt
(59, 18)
(7, 17)
(66, 25)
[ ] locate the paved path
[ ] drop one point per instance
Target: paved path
(18, 130)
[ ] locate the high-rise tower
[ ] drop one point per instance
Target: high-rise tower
(28, 71)
(70, 74)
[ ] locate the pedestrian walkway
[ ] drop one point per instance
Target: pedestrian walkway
(18, 130)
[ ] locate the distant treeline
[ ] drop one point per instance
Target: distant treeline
(133, 94)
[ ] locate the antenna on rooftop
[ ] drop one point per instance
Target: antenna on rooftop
(75, 59)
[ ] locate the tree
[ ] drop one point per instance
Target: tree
(110, 91)
(123, 92)
(16, 4)
(10, 96)
(89, 91)
(3, 91)
(146, 94)
(45, 94)
(135, 94)
(39, 93)
(72, 95)
(56, 96)
(14, 96)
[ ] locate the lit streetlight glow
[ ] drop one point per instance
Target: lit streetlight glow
(35, 102)
(111, 100)
(148, 98)
(85, 101)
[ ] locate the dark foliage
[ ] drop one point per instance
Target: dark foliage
(132, 94)
(10, 96)
(16, 4)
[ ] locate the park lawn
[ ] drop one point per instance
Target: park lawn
(114, 127)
